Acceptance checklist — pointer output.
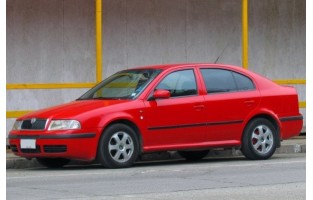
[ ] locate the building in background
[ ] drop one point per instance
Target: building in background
(51, 44)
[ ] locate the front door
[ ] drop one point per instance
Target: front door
(178, 121)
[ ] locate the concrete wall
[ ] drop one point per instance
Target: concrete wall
(53, 40)
(277, 40)
(144, 32)
(48, 41)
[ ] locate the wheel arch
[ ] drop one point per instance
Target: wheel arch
(129, 123)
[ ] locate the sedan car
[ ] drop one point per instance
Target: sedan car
(189, 108)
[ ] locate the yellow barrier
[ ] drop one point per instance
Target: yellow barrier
(302, 104)
(17, 113)
(290, 81)
(20, 86)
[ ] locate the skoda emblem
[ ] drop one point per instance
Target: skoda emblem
(33, 120)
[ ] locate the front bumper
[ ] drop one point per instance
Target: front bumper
(81, 146)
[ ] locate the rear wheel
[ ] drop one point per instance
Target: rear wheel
(118, 146)
(193, 155)
(259, 140)
(53, 162)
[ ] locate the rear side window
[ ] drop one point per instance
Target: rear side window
(220, 80)
(217, 80)
(179, 83)
(243, 82)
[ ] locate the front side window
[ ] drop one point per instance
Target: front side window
(179, 83)
(123, 85)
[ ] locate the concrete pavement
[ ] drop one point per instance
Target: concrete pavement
(281, 177)
(291, 146)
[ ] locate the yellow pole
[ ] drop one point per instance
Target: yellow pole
(245, 34)
(98, 40)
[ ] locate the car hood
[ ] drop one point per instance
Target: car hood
(73, 109)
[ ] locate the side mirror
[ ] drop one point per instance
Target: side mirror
(161, 94)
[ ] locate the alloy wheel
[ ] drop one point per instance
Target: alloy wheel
(262, 139)
(121, 147)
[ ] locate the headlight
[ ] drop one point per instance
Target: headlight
(17, 125)
(64, 125)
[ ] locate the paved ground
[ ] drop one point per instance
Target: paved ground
(282, 177)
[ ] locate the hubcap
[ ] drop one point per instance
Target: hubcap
(262, 139)
(121, 147)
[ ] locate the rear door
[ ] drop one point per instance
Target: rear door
(231, 96)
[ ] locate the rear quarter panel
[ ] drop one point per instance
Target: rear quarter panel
(282, 102)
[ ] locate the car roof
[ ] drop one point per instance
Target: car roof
(209, 65)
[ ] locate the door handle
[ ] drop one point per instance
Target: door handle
(249, 102)
(198, 107)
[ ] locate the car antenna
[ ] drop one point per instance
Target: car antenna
(224, 48)
(221, 53)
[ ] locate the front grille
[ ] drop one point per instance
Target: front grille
(13, 148)
(55, 148)
(39, 124)
(37, 150)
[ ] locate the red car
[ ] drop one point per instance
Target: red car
(191, 108)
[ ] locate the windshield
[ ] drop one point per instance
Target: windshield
(127, 84)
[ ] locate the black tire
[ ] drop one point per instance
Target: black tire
(53, 162)
(259, 139)
(118, 147)
(193, 155)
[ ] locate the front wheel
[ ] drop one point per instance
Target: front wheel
(53, 162)
(118, 146)
(259, 140)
